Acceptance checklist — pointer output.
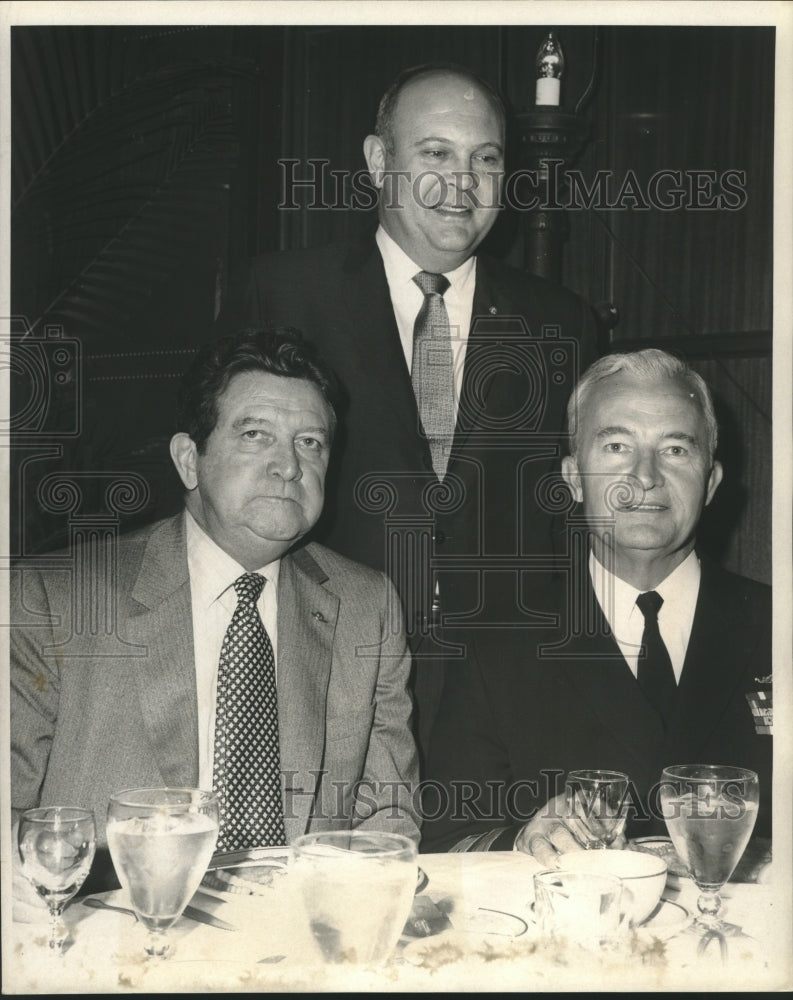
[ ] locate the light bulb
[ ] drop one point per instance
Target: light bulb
(550, 66)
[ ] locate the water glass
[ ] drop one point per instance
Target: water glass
(597, 806)
(710, 812)
(356, 889)
(56, 847)
(578, 907)
(161, 841)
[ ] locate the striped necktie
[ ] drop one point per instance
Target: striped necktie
(432, 372)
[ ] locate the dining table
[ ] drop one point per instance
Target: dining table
(472, 928)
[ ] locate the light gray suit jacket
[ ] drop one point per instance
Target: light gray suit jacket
(103, 686)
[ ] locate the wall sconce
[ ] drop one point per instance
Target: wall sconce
(550, 139)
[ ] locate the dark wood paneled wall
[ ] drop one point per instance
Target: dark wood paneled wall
(737, 527)
(695, 279)
(663, 98)
(333, 81)
(684, 100)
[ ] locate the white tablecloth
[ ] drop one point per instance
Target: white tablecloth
(493, 945)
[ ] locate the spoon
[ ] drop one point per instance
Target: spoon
(100, 904)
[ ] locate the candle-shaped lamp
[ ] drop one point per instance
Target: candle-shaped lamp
(550, 66)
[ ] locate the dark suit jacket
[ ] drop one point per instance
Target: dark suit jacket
(518, 713)
(529, 341)
(96, 710)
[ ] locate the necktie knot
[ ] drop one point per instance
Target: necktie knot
(650, 604)
(431, 284)
(249, 587)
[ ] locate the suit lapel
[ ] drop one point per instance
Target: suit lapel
(475, 390)
(485, 374)
(307, 616)
(368, 302)
(594, 665)
(712, 667)
(166, 676)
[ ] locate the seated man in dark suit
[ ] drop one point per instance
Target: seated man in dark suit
(214, 648)
(618, 680)
(456, 367)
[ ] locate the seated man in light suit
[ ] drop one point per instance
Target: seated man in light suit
(530, 706)
(168, 702)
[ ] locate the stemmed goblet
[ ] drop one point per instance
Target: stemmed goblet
(596, 803)
(161, 841)
(56, 846)
(710, 812)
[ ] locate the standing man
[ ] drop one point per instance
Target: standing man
(237, 658)
(657, 656)
(456, 369)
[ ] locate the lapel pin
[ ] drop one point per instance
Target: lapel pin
(318, 616)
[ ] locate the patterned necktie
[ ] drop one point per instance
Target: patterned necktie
(247, 770)
(432, 372)
(655, 673)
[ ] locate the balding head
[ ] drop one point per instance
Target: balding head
(438, 158)
(384, 124)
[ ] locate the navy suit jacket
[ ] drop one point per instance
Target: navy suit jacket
(529, 706)
(529, 341)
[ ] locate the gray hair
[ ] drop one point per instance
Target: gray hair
(650, 363)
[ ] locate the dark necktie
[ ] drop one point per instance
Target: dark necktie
(655, 673)
(432, 372)
(247, 771)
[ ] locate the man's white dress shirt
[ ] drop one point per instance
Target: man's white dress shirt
(407, 299)
(618, 600)
(212, 575)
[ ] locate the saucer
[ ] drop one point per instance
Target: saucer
(666, 920)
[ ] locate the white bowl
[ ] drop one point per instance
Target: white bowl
(643, 876)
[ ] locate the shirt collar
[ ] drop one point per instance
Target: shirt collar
(212, 570)
(680, 589)
(400, 269)
(617, 598)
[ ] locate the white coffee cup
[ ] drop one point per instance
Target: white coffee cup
(643, 877)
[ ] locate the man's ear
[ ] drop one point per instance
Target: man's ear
(572, 477)
(184, 456)
(716, 474)
(374, 152)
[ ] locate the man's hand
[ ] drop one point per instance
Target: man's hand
(548, 834)
(552, 832)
